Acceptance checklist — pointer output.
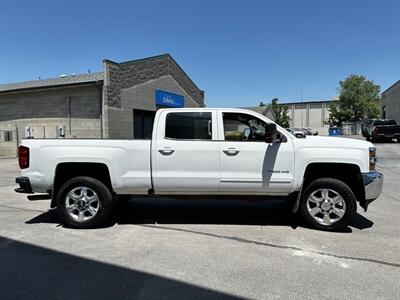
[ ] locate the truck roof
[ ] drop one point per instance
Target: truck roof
(207, 108)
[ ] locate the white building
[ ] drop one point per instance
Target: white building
(312, 114)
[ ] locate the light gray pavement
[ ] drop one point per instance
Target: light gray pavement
(159, 249)
(8, 171)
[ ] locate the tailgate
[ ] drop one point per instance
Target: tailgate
(389, 129)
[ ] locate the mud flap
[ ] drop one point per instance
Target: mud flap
(364, 204)
(296, 201)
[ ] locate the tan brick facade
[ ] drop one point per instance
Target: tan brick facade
(97, 105)
(391, 103)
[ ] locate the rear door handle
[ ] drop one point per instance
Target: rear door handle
(166, 151)
(231, 151)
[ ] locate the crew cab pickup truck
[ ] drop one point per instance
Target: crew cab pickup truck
(204, 153)
(384, 129)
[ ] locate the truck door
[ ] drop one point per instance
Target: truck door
(249, 164)
(185, 153)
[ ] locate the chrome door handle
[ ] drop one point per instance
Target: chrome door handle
(231, 151)
(166, 151)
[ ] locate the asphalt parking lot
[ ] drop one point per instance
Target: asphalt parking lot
(164, 249)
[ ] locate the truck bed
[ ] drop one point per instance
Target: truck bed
(128, 161)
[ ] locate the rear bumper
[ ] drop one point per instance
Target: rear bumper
(386, 135)
(373, 184)
(24, 185)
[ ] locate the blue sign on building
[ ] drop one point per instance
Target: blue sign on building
(169, 99)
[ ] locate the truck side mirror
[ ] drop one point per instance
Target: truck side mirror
(271, 134)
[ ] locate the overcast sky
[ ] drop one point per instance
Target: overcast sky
(239, 52)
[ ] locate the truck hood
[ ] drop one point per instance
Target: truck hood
(331, 142)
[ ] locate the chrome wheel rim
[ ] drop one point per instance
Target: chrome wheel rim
(82, 203)
(326, 206)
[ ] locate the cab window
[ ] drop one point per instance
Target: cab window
(188, 126)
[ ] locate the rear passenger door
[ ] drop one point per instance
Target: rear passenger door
(186, 153)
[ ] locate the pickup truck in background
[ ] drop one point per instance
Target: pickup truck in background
(204, 153)
(381, 129)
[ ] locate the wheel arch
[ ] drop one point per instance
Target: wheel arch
(349, 173)
(67, 170)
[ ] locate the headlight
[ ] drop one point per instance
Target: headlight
(372, 158)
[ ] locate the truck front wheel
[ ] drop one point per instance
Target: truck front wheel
(327, 204)
(84, 202)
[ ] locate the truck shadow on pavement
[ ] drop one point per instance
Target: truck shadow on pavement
(33, 272)
(224, 212)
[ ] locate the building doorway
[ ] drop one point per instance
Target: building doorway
(143, 124)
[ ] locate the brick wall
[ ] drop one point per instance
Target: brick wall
(54, 103)
(44, 110)
(142, 96)
(391, 102)
(128, 74)
(8, 147)
(47, 128)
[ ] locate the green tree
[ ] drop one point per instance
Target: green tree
(281, 113)
(358, 100)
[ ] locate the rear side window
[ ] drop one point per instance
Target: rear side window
(189, 126)
(385, 122)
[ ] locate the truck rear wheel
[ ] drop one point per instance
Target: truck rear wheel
(327, 204)
(84, 202)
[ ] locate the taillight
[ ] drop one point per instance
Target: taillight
(23, 157)
(376, 130)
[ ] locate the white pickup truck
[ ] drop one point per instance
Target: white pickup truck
(204, 152)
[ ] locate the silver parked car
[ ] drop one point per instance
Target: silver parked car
(296, 132)
(311, 131)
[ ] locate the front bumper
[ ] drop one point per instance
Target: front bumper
(24, 185)
(373, 184)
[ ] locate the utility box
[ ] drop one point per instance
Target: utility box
(335, 131)
(60, 132)
(28, 132)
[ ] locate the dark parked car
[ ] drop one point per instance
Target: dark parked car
(381, 129)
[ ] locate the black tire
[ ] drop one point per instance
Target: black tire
(105, 202)
(368, 138)
(398, 140)
(340, 188)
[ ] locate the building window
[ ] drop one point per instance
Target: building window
(188, 126)
(8, 136)
(384, 112)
